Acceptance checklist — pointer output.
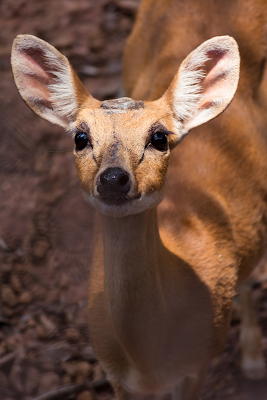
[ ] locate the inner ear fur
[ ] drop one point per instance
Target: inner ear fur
(46, 80)
(204, 84)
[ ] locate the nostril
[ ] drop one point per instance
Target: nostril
(123, 180)
(103, 179)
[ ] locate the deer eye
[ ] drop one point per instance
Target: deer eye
(159, 141)
(81, 140)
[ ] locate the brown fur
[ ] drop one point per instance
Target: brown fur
(214, 210)
(161, 286)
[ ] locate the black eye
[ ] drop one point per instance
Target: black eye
(159, 140)
(81, 140)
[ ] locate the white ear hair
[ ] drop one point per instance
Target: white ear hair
(204, 84)
(46, 80)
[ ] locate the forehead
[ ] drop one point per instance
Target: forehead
(123, 117)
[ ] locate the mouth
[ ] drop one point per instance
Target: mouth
(119, 205)
(115, 199)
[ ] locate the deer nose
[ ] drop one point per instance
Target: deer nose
(114, 181)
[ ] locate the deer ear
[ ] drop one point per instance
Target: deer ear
(46, 80)
(204, 84)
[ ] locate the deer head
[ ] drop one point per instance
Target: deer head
(122, 147)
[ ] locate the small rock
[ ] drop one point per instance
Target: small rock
(86, 395)
(64, 281)
(25, 298)
(8, 297)
(48, 381)
(40, 248)
(72, 334)
(40, 331)
(69, 367)
(80, 379)
(98, 373)
(96, 42)
(15, 283)
(19, 252)
(31, 323)
(49, 325)
(66, 379)
(87, 353)
(32, 377)
(83, 368)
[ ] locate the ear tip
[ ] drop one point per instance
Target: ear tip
(224, 44)
(227, 42)
(24, 38)
(25, 41)
(21, 41)
(223, 39)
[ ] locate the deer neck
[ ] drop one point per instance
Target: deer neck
(132, 250)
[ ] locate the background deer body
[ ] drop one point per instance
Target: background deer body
(161, 288)
(216, 180)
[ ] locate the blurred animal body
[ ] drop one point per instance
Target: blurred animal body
(165, 272)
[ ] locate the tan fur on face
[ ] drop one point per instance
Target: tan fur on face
(120, 141)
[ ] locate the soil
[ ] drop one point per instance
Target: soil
(46, 228)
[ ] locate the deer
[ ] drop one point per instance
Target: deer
(177, 236)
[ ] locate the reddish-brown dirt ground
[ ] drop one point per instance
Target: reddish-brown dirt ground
(46, 229)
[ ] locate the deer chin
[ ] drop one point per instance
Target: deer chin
(129, 207)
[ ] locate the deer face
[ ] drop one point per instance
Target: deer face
(121, 154)
(122, 147)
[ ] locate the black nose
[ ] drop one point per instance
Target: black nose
(113, 184)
